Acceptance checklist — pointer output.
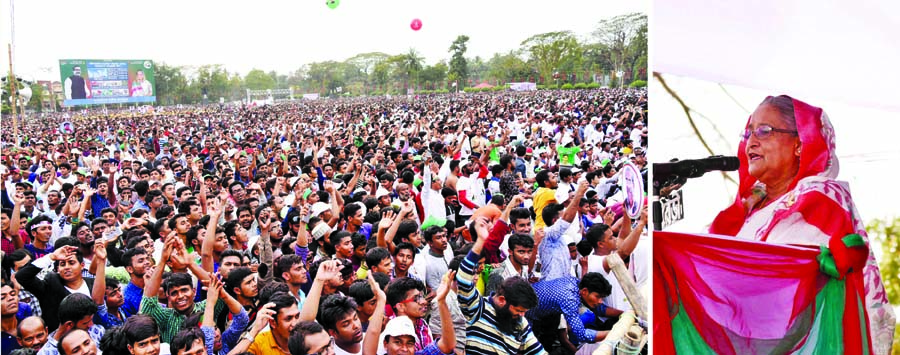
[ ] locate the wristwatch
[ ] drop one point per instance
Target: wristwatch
(247, 336)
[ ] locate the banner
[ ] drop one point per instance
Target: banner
(105, 81)
(723, 295)
(522, 86)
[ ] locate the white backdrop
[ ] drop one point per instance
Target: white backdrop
(846, 51)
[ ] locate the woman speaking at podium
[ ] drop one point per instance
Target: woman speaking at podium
(788, 194)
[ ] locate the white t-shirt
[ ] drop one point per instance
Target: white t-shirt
(464, 184)
(84, 290)
(616, 298)
(638, 265)
(636, 136)
(339, 351)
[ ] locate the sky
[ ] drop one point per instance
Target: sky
(280, 35)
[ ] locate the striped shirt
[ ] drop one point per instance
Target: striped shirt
(482, 334)
(168, 319)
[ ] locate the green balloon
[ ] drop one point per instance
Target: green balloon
(332, 4)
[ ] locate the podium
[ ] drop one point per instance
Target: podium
(722, 295)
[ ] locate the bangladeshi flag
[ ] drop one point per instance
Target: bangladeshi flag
(722, 295)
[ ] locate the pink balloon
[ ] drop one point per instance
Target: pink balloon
(416, 24)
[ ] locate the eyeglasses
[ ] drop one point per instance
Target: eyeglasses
(764, 131)
(326, 349)
(417, 299)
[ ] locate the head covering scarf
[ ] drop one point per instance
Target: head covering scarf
(815, 199)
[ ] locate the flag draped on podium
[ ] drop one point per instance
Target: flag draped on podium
(722, 295)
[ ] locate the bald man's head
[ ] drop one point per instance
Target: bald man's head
(32, 333)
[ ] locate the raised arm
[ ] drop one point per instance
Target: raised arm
(212, 296)
(327, 271)
(265, 245)
(388, 240)
(572, 210)
(448, 333)
(335, 208)
(263, 317)
(499, 230)
(111, 185)
(626, 247)
(470, 301)
(209, 243)
(88, 192)
(14, 223)
(373, 334)
(303, 236)
(99, 291)
(45, 187)
(203, 189)
(151, 287)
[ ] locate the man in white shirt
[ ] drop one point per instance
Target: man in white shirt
(604, 243)
(566, 184)
(471, 190)
(636, 134)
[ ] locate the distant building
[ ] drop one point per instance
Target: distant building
(53, 91)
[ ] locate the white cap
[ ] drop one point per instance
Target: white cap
(381, 192)
(399, 326)
(318, 208)
(321, 230)
(567, 139)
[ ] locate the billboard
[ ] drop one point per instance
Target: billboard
(105, 81)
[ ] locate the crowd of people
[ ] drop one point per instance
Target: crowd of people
(471, 223)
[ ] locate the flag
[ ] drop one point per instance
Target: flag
(723, 295)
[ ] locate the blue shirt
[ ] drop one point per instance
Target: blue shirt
(554, 253)
(98, 203)
(132, 294)
(38, 253)
(9, 343)
(108, 320)
(140, 204)
(560, 296)
(24, 311)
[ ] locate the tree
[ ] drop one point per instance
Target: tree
(170, 84)
(235, 87)
(326, 75)
(381, 73)
(509, 67)
(478, 69)
(37, 97)
(433, 75)
(888, 233)
(212, 80)
(411, 64)
(459, 69)
(637, 53)
(258, 80)
(617, 35)
(547, 52)
(365, 62)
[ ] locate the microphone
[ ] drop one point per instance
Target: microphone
(693, 168)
